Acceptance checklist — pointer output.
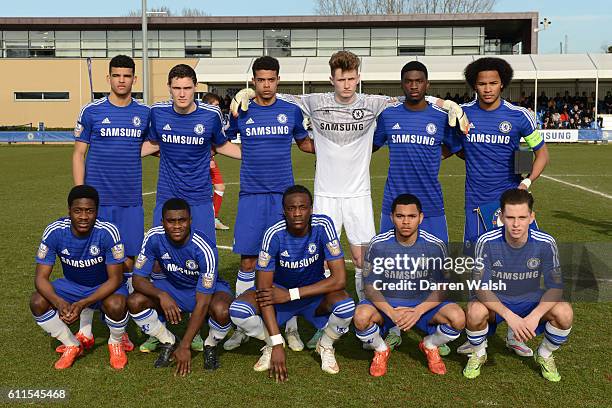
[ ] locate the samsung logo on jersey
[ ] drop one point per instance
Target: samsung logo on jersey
(302, 263)
(175, 268)
(190, 140)
(267, 130)
(342, 127)
(125, 132)
(416, 139)
(516, 275)
(486, 138)
(82, 263)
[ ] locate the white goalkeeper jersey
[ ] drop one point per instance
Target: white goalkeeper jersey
(343, 135)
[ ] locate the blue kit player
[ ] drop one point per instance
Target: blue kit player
(189, 262)
(184, 131)
(291, 282)
(92, 255)
(108, 137)
(267, 131)
(515, 261)
(403, 267)
(494, 136)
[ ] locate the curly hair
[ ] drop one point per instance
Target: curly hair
(500, 65)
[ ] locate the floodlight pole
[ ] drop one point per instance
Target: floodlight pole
(145, 55)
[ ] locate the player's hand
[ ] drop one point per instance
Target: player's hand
(523, 186)
(532, 322)
(520, 327)
(241, 100)
(182, 356)
(63, 308)
(74, 312)
(278, 364)
(272, 296)
(170, 308)
(406, 317)
(456, 116)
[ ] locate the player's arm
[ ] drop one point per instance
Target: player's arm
(539, 164)
(306, 145)
(45, 288)
(535, 141)
(229, 149)
(149, 148)
(78, 162)
(456, 116)
(183, 351)
(278, 361)
(171, 310)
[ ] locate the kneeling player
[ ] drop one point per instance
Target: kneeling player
(189, 261)
(514, 258)
(92, 256)
(291, 281)
(395, 292)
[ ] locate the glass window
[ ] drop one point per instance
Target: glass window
(152, 39)
(411, 37)
(197, 38)
(224, 43)
(67, 43)
(16, 39)
(329, 41)
(408, 51)
(42, 39)
(303, 52)
(357, 38)
(28, 95)
(250, 39)
(198, 52)
(466, 36)
(93, 53)
(119, 40)
(42, 95)
(466, 50)
(277, 42)
(93, 40)
(172, 40)
(362, 52)
(438, 41)
(303, 39)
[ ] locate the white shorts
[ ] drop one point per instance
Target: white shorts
(354, 213)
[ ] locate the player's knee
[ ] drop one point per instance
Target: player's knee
(477, 314)
(362, 318)
(219, 311)
(344, 307)
(136, 303)
(115, 306)
(248, 264)
(563, 315)
(240, 310)
(38, 304)
(456, 317)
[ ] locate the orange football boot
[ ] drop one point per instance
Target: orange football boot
(127, 343)
(378, 368)
(68, 356)
(118, 358)
(434, 361)
(86, 342)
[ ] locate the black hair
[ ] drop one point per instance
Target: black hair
(296, 189)
(266, 63)
(414, 66)
(406, 199)
(182, 71)
(500, 65)
(83, 191)
(121, 61)
(210, 97)
(175, 204)
(516, 196)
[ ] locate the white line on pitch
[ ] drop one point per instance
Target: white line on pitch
(599, 193)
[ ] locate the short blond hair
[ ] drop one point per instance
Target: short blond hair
(345, 60)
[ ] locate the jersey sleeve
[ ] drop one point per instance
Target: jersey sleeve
(218, 133)
(330, 242)
(114, 251)
(369, 263)
(551, 266)
(299, 132)
(268, 254)
(378, 103)
(304, 102)
(380, 136)
(208, 259)
(482, 269)
(47, 250)
(528, 130)
(146, 258)
(83, 127)
(451, 139)
(146, 130)
(153, 136)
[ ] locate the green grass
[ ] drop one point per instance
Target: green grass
(35, 182)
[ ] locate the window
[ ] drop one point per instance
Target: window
(384, 41)
(438, 41)
(42, 39)
(67, 43)
(224, 43)
(303, 43)
(277, 43)
(40, 96)
(329, 41)
(172, 43)
(356, 38)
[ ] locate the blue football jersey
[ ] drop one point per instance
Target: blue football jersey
(298, 261)
(396, 271)
(523, 270)
(83, 259)
(415, 141)
(185, 141)
(266, 135)
(194, 265)
(489, 149)
(115, 135)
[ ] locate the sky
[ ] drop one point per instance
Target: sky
(587, 23)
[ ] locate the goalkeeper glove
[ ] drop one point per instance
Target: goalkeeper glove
(241, 100)
(456, 116)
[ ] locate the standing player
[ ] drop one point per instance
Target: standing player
(291, 282)
(412, 305)
(518, 257)
(184, 131)
(215, 172)
(495, 131)
(418, 137)
(189, 260)
(267, 131)
(92, 256)
(108, 137)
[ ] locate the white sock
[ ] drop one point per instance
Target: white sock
(216, 332)
(219, 193)
(339, 321)
(116, 328)
(443, 334)
(291, 325)
(553, 339)
(478, 340)
(149, 322)
(244, 317)
(245, 281)
(52, 324)
(372, 335)
(86, 321)
(359, 284)
(395, 330)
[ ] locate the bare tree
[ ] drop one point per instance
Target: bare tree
(351, 7)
